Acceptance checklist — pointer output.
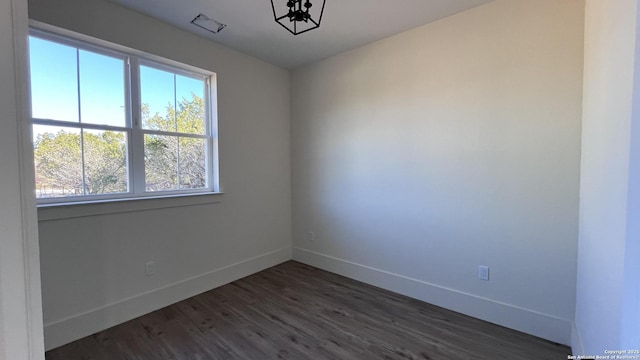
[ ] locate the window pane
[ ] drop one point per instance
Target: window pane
(161, 162)
(54, 80)
(105, 161)
(193, 165)
(58, 161)
(190, 111)
(83, 138)
(157, 91)
(102, 95)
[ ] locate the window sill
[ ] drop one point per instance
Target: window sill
(48, 212)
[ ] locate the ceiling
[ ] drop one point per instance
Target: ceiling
(346, 24)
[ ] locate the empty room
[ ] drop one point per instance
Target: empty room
(319, 179)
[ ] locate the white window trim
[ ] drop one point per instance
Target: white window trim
(70, 210)
(78, 206)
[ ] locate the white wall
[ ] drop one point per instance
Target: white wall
(607, 308)
(421, 156)
(93, 267)
(20, 303)
(631, 298)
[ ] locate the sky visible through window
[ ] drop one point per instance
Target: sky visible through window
(74, 85)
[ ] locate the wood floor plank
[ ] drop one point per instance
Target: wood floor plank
(295, 311)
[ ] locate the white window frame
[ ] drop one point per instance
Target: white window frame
(133, 59)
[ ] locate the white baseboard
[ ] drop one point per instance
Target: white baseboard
(576, 342)
(528, 321)
(66, 330)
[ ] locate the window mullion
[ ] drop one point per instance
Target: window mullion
(211, 111)
(79, 94)
(175, 114)
(169, 133)
(137, 177)
(207, 129)
(78, 125)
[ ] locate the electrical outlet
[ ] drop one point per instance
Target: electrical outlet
(483, 272)
(149, 268)
(312, 236)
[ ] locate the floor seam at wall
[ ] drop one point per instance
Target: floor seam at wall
(77, 326)
(529, 321)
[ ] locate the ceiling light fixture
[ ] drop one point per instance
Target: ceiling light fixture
(297, 16)
(208, 24)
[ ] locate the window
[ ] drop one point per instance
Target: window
(109, 124)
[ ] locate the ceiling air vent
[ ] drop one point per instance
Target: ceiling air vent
(203, 21)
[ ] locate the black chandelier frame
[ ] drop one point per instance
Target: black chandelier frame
(298, 12)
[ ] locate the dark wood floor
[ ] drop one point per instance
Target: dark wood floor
(294, 311)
